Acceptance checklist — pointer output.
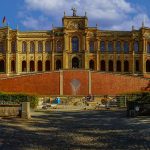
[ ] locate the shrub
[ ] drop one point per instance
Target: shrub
(9, 98)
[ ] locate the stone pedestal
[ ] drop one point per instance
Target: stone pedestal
(25, 112)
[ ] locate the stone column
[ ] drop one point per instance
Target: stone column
(53, 54)
(35, 56)
(90, 83)
(43, 58)
(17, 55)
(61, 82)
(7, 56)
(98, 60)
(133, 62)
(143, 62)
(28, 56)
(25, 111)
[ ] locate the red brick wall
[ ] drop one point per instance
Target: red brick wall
(49, 83)
(81, 76)
(42, 84)
(116, 84)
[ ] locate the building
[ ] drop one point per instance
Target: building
(75, 45)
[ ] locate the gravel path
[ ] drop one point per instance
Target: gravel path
(60, 130)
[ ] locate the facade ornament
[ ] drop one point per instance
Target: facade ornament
(133, 28)
(64, 13)
(142, 24)
(74, 11)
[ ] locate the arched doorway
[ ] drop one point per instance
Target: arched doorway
(126, 66)
(24, 66)
(47, 65)
(110, 67)
(91, 64)
(118, 66)
(13, 66)
(75, 62)
(103, 66)
(137, 66)
(2, 66)
(32, 68)
(39, 65)
(58, 64)
(148, 66)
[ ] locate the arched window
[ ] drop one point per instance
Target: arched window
(126, 47)
(137, 66)
(47, 65)
(126, 66)
(13, 46)
(110, 67)
(32, 47)
(1, 47)
(118, 46)
(59, 46)
(40, 47)
(24, 47)
(39, 65)
(103, 67)
(91, 46)
(136, 46)
(13, 66)
(91, 64)
(75, 62)
(58, 64)
(102, 46)
(24, 66)
(2, 66)
(47, 46)
(75, 44)
(32, 68)
(148, 47)
(118, 66)
(110, 46)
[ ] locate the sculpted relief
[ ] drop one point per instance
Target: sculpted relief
(75, 25)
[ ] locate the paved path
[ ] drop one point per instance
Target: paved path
(104, 130)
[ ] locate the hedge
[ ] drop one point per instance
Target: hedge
(9, 98)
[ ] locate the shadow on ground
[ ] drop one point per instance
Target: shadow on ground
(76, 130)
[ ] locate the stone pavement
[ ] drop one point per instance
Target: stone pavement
(106, 130)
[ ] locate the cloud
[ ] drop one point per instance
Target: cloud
(109, 14)
(40, 23)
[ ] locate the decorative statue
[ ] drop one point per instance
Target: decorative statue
(74, 11)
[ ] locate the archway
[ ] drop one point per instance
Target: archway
(58, 64)
(148, 66)
(118, 66)
(103, 66)
(91, 64)
(137, 66)
(2, 66)
(75, 62)
(126, 66)
(39, 65)
(32, 68)
(24, 66)
(47, 65)
(110, 68)
(13, 66)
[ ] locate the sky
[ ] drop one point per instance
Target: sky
(108, 14)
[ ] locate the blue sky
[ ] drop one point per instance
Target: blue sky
(108, 14)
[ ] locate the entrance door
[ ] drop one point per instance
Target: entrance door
(75, 62)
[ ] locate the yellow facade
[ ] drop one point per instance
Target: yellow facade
(75, 45)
